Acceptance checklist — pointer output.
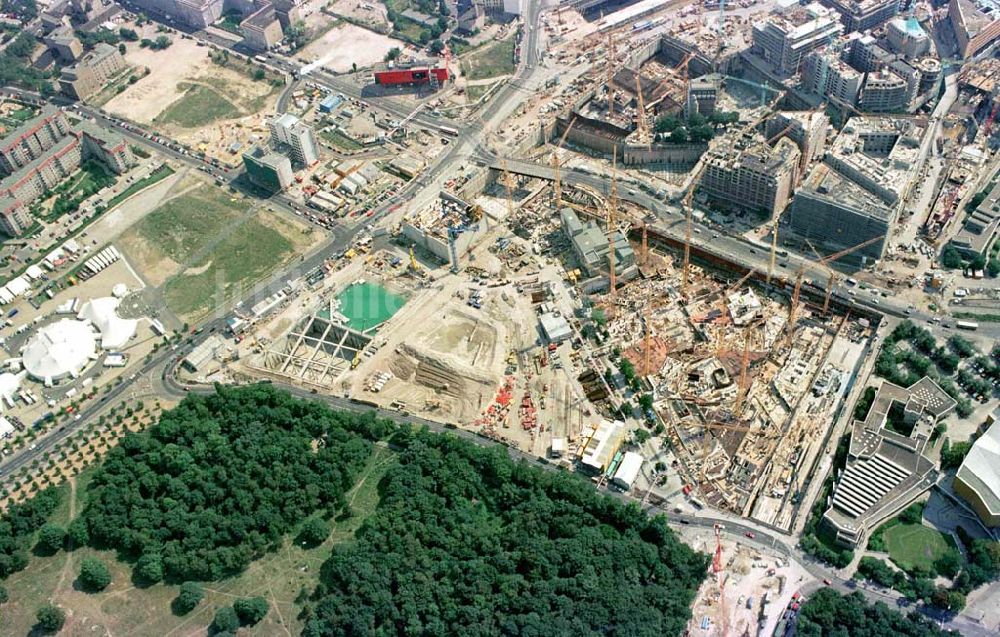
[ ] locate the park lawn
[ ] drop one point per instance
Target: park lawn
(185, 224)
(124, 609)
(241, 259)
(491, 61)
(911, 545)
(199, 106)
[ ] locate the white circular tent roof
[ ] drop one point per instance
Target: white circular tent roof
(59, 350)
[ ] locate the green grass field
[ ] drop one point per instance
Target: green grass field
(198, 106)
(247, 254)
(124, 609)
(491, 61)
(911, 545)
(187, 223)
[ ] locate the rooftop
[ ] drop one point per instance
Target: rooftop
(981, 468)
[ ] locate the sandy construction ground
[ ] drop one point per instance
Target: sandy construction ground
(347, 44)
(184, 62)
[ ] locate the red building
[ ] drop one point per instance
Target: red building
(413, 75)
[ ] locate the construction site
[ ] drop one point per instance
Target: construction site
(555, 316)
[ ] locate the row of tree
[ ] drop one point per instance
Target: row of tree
(466, 541)
(829, 613)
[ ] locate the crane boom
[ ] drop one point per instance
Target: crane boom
(824, 262)
(557, 184)
(612, 209)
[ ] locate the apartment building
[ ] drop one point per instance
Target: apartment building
(826, 75)
(31, 139)
(14, 217)
(751, 175)
(784, 38)
(92, 72)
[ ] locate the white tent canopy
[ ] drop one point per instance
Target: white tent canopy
(59, 350)
(115, 331)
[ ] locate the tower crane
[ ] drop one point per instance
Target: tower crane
(825, 261)
(682, 70)
(686, 204)
(793, 307)
(557, 186)
(612, 209)
(741, 390)
(641, 122)
(610, 75)
(507, 188)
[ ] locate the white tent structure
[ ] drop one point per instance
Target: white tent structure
(59, 350)
(115, 331)
(10, 384)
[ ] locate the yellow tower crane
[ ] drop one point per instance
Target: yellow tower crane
(825, 261)
(612, 210)
(556, 165)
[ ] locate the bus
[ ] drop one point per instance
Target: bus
(967, 325)
(448, 130)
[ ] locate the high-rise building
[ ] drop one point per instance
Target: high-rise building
(288, 130)
(976, 29)
(886, 92)
(30, 140)
(862, 15)
(268, 170)
(703, 92)
(751, 175)
(865, 54)
(42, 152)
(14, 217)
(784, 39)
(92, 72)
(857, 192)
(109, 148)
(906, 36)
(826, 75)
(806, 128)
(64, 43)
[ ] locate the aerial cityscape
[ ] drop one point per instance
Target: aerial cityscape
(500, 317)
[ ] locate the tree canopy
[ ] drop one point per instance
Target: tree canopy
(94, 575)
(50, 618)
(829, 613)
(222, 478)
(19, 525)
(465, 541)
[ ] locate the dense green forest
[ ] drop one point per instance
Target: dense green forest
(828, 613)
(465, 541)
(222, 478)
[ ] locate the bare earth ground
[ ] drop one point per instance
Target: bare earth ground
(180, 66)
(346, 44)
